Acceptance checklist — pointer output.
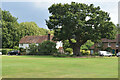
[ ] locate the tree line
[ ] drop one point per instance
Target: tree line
(12, 31)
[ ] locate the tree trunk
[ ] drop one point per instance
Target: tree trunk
(76, 51)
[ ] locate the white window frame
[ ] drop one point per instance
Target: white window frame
(21, 44)
(117, 45)
(109, 44)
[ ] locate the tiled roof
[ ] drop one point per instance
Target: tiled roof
(34, 39)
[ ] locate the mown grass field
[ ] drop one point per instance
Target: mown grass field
(53, 67)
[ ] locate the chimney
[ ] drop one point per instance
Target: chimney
(48, 36)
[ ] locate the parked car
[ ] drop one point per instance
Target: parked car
(105, 53)
(118, 54)
(0, 53)
(15, 52)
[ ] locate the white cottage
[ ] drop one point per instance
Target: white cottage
(27, 40)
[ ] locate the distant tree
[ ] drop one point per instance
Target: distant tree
(31, 28)
(10, 32)
(80, 22)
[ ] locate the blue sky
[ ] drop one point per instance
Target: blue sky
(37, 10)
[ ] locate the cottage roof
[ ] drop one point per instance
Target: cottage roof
(34, 39)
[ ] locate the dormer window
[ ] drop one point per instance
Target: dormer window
(109, 44)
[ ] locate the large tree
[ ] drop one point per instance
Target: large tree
(10, 31)
(80, 22)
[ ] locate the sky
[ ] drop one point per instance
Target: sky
(37, 10)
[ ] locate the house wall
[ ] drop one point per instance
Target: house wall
(58, 44)
(105, 45)
(23, 46)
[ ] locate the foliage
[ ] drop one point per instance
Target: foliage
(21, 49)
(109, 49)
(69, 50)
(16, 47)
(80, 22)
(47, 48)
(87, 45)
(118, 28)
(60, 55)
(33, 49)
(10, 32)
(85, 52)
(31, 28)
(96, 54)
(5, 51)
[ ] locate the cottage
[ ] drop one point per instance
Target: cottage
(27, 40)
(106, 43)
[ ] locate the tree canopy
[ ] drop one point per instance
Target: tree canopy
(80, 22)
(31, 28)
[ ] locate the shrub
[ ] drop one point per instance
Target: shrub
(96, 54)
(58, 54)
(47, 48)
(85, 52)
(16, 48)
(109, 49)
(21, 49)
(33, 49)
(4, 52)
(69, 50)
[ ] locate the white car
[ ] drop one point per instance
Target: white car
(118, 54)
(105, 53)
(0, 53)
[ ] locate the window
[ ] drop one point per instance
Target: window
(21, 44)
(99, 44)
(117, 45)
(109, 44)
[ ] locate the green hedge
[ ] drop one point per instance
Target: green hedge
(5, 51)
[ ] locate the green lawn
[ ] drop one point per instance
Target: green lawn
(52, 67)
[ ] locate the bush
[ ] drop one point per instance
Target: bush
(16, 48)
(33, 49)
(47, 48)
(109, 49)
(60, 55)
(85, 52)
(5, 51)
(22, 51)
(96, 54)
(69, 50)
